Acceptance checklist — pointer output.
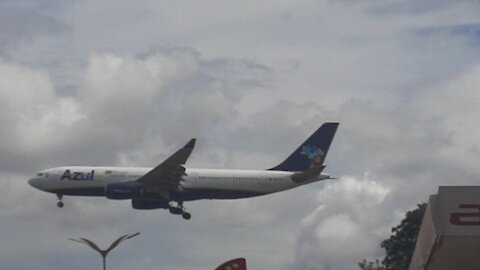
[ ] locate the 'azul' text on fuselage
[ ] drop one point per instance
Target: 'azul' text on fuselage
(78, 176)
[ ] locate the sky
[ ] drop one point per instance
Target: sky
(127, 83)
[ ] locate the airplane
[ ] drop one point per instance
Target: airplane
(170, 184)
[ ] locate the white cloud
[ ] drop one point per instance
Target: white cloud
(340, 232)
(113, 83)
(33, 118)
(455, 103)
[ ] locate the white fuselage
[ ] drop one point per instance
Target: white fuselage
(195, 184)
(170, 183)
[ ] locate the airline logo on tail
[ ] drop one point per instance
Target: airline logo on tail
(314, 154)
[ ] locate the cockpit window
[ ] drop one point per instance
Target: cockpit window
(40, 174)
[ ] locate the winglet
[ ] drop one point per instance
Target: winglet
(190, 144)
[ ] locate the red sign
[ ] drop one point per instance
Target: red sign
(466, 218)
(235, 264)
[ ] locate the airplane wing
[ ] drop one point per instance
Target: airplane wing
(167, 175)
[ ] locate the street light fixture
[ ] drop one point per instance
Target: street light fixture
(104, 252)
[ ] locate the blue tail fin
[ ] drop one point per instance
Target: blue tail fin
(312, 152)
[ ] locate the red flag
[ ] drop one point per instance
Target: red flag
(235, 264)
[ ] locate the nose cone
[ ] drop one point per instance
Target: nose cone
(34, 182)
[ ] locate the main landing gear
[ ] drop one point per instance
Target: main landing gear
(60, 202)
(180, 210)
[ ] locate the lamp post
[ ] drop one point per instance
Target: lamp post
(104, 252)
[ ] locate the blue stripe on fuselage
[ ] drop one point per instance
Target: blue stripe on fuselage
(84, 191)
(185, 195)
(219, 194)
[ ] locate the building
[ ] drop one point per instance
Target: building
(449, 237)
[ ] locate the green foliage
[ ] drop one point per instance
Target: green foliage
(364, 265)
(401, 244)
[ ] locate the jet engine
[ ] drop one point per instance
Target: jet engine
(124, 190)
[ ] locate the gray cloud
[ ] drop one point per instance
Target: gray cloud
(24, 23)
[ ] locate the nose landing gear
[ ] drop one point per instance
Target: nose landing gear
(60, 202)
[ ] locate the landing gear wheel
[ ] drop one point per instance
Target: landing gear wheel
(179, 210)
(176, 210)
(60, 202)
(186, 215)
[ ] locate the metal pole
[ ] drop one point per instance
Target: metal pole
(104, 252)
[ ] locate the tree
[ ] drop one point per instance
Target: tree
(364, 265)
(401, 244)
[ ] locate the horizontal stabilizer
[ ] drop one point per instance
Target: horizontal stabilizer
(309, 174)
